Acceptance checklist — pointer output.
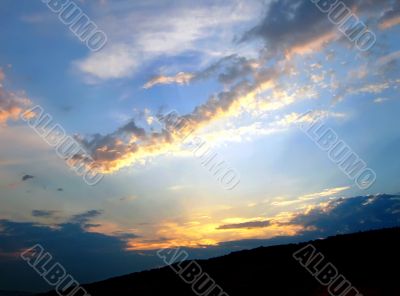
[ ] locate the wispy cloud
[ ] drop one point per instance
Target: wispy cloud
(380, 100)
(388, 58)
(373, 88)
(247, 225)
(391, 17)
(141, 36)
(310, 197)
(84, 218)
(43, 213)
(180, 78)
(228, 69)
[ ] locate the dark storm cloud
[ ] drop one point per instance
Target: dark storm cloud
(86, 255)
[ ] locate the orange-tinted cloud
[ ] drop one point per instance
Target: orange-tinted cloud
(2, 75)
(389, 23)
(12, 104)
(391, 17)
(180, 78)
(205, 231)
(131, 144)
(313, 45)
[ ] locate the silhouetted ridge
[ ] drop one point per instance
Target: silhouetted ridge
(369, 260)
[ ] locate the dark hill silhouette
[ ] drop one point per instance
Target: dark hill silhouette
(369, 260)
(15, 293)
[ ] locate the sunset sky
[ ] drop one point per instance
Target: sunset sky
(242, 72)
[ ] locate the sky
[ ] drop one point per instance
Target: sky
(240, 75)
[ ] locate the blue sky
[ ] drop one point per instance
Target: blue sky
(241, 71)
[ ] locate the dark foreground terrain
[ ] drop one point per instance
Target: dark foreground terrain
(369, 260)
(15, 293)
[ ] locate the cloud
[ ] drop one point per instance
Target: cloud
(79, 251)
(130, 144)
(373, 88)
(312, 196)
(140, 36)
(325, 193)
(180, 78)
(128, 198)
(289, 24)
(338, 216)
(384, 65)
(323, 218)
(391, 17)
(84, 218)
(43, 213)
(297, 118)
(291, 28)
(299, 27)
(12, 104)
(391, 22)
(380, 100)
(228, 69)
(288, 27)
(248, 225)
(388, 58)
(27, 177)
(116, 61)
(236, 130)
(346, 215)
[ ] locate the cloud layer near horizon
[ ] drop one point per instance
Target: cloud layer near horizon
(82, 252)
